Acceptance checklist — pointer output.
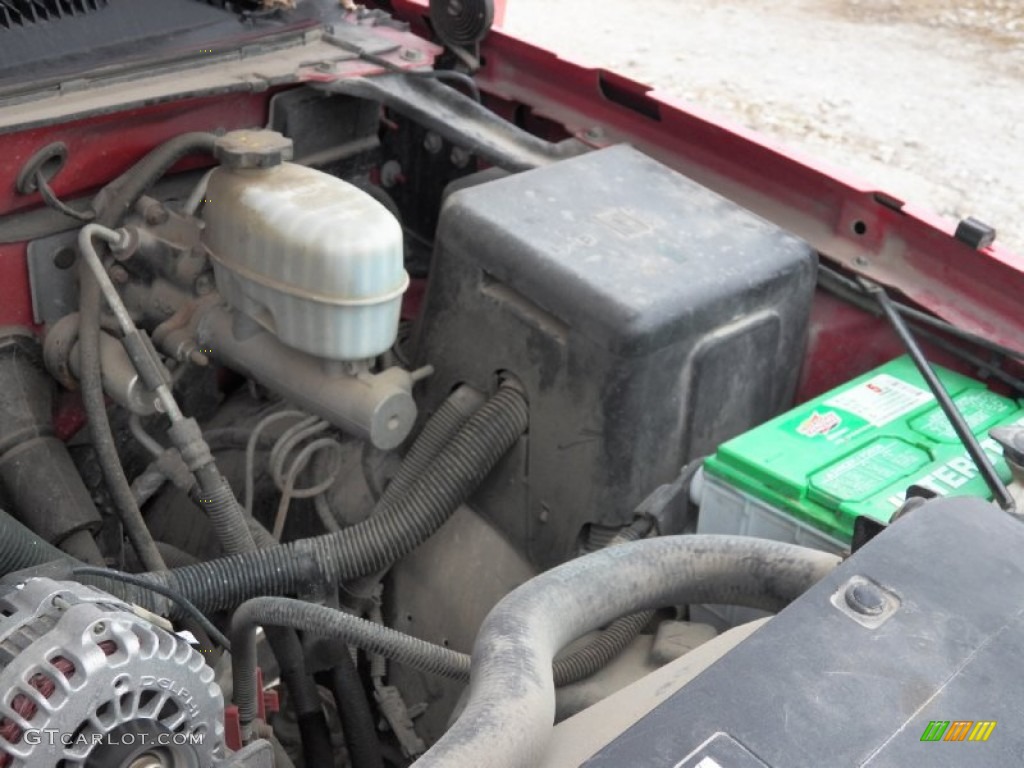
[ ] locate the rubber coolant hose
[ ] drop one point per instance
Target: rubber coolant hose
(358, 723)
(370, 546)
(321, 620)
(286, 645)
(511, 705)
(314, 732)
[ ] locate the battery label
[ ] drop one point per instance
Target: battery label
(948, 479)
(881, 400)
(979, 407)
(869, 470)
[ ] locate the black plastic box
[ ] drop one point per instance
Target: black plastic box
(648, 317)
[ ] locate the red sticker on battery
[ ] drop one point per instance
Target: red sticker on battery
(819, 424)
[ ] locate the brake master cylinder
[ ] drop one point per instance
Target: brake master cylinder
(313, 259)
(311, 272)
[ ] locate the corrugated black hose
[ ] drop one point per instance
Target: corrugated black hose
(442, 426)
(20, 548)
(597, 652)
(593, 656)
(365, 548)
(370, 546)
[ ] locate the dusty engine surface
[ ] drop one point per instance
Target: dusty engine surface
(621, 294)
(369, 432)
(865, 610)
(558, 372)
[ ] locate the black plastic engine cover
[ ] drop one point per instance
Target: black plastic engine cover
(825, 684)
(648, 318)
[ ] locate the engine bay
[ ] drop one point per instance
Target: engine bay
(357, 414)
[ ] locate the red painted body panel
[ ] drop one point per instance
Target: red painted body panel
(845, 341)
(100, 148)
(908, 249)
(848, 221)
(15, 299)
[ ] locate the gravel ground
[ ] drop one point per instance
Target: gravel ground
(922, 98)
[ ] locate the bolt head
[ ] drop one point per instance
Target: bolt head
(156, 215)
(390, 173)
(865, 599)
(433, 143)
(65, 257)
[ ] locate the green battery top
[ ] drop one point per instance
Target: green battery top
(855, 450)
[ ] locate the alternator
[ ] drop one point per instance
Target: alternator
(87, 683)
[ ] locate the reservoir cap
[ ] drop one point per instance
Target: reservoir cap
(252, 149)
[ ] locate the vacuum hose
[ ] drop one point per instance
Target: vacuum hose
(321, 620)
(370, 546)
(111, 205)
(511, 704)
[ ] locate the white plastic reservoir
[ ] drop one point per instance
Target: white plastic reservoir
(315, 260)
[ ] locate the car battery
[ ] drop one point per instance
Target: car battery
(806, 476)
